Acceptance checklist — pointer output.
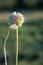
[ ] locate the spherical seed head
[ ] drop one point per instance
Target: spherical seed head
(16, 18)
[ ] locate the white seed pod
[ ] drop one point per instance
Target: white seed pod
(16, 18)
(13, 27)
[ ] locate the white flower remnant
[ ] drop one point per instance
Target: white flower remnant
(16, 18)
(14, 26)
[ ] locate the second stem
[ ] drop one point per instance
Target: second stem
(17, 46)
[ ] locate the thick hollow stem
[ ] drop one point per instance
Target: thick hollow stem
(17, 46)
(5, 47)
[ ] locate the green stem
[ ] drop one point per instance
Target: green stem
(5, 47)
(17, 46)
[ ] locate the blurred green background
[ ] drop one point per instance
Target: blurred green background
(30, 34)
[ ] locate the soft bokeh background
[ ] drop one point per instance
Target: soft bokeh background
(30, 34)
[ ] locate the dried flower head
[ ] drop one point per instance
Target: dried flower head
(16, 18)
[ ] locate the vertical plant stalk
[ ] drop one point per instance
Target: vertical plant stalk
(5, 47)
(17, 46)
